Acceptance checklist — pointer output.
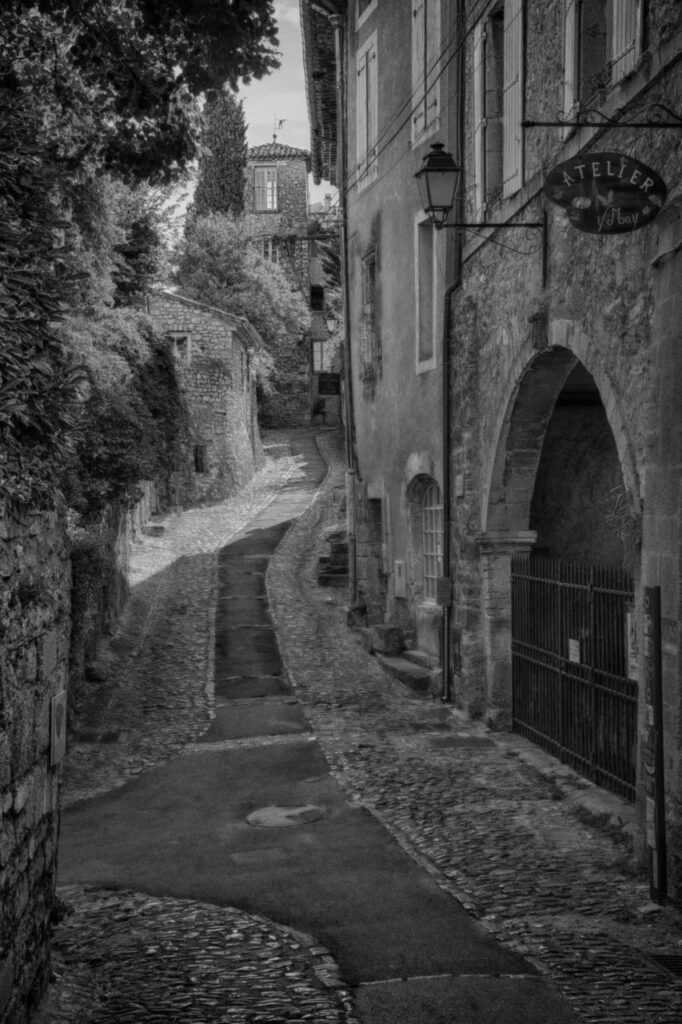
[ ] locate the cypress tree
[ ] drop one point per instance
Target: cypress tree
(222, 165)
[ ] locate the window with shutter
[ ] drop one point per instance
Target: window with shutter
(426, 67)
(265, 189)
(512, 101)
(498, 92)
(479, 119)
(367, 111)
(626, 36)
(602, 44)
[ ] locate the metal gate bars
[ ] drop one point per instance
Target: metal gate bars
(572, 694)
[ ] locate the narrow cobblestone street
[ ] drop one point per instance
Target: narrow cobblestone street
(504, 830)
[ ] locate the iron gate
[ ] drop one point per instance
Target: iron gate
(570, 666)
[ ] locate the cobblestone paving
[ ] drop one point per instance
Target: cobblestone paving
(156, 696)
(126, 957)
(131, 957)
(466, 805)
(491, 829)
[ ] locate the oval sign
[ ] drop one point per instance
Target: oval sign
(606, 193)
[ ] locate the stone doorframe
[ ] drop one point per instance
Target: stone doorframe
(537, 383)
(497, 549)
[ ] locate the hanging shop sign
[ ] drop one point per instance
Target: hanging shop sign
(606, 193)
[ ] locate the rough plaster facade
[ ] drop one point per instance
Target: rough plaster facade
(34, 628)
(213, 352)
(395, 324)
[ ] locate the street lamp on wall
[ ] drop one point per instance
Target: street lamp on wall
(332, 323)
(437, 180)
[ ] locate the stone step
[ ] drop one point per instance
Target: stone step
(152, 529)
(415, 678)
(421, 658)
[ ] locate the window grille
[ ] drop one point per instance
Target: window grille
(432, 539)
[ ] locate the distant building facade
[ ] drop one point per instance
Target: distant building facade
(279, 220)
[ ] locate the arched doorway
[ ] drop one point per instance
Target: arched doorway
(556, 593)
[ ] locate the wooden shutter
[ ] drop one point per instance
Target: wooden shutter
(361, 115)
(432, 69)
(372, 77)
(570, 85)
(626, 36)
(512, 104)
(418, 70)
(479, 118)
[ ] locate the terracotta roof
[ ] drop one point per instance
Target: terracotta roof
(238, 323)
(278, 151)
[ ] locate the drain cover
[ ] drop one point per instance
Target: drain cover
(284, 817)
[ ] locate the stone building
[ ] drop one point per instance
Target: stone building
(278, 218)
(34, 656)
(556, 529)
(214, 353)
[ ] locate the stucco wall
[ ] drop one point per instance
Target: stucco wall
(34, 644)
(398, 403)
(218, 388)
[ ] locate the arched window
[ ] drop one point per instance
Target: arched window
(432, 538)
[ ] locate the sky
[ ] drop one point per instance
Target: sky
(281, 95)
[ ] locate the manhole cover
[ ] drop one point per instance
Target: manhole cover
(284, 817)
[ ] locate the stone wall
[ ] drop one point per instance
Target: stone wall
(34, 646)
(215, 372)
(523, 322)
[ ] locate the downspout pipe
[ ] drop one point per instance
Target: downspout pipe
(446, 690)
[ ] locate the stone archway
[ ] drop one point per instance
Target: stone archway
(509, 514)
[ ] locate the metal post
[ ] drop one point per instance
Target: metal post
(653, 746)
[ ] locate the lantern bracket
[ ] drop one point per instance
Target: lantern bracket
(656, 115)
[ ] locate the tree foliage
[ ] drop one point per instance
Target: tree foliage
(132, 424)
(37, 379)
(222, 163)
(218, 265)
(115, 81)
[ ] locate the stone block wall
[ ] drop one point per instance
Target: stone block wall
(215, 372)
(34, 647)
(523, 321)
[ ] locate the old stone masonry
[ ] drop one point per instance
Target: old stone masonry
(287, 835)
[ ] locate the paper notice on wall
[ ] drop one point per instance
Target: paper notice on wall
(574, 651)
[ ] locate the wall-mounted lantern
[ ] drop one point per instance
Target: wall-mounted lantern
(437, 180)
